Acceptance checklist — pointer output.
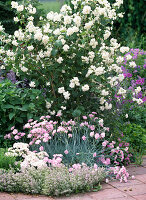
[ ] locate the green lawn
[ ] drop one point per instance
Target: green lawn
(50, 6)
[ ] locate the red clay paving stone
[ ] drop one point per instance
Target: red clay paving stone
(134, 190)
(140, 197)
(144, 162)
(76, 197)
(106, 186)
(30, 197)
(129, 183)
(108, 194)
(141, 178)
(136, 170)
(6, 196)
(124, 198)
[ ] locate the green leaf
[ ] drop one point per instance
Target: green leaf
(58, 43)
(54, 52)
(29, 115)
(8, 106)
(11, 115)
(76, 113)
(20, 120)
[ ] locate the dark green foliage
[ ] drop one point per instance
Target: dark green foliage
(133, 25)
(7, 15)
(136, 136)
(17, 105)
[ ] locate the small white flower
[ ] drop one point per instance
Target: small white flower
(61, 90)
(48, 84)
(52, 112)
(121, 91)
(86, 10)
(30, 48)
(138, 89)
(66, 95)
(38, 36)
(59, 60)
(126, 115)
(14, 4)
(132, 64)
(85, 88)
(24, 69)
(104, 93)
(16, 19)
(45, 39)
(65, 47)
(32, 84)
(139, 101)
(128, 57)
(119, 59)
(63, 107)
(48, 105)
(1, 28)
(124, 49)
(20, 8)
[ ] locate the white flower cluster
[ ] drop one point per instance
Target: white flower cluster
(66, 94)
(31, 159)
(71, 49)
(74, 82)
(18, 149)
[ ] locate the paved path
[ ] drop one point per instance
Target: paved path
(132, 190)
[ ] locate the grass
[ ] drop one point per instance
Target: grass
(48, 6)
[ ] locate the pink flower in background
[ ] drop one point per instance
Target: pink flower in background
(92, 128)
(70, 135)
(84, 117)
(22, 134)
(12, 128)
(95, 166)
(92, 134)
(41, 148)
(17, 137)
(94, 154)
(102, 135)
(46, 159)
(91, 116)
(66, 152)
(84, 137)
(38, 142)
(104, 143)
(107, 161)
(15, 131)
(30, 120)
(97, 136)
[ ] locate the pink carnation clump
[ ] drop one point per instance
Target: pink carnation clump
(121, 173)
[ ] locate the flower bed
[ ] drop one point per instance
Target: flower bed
(68, 62)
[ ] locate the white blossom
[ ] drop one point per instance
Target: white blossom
(32, 84)
(85, 88)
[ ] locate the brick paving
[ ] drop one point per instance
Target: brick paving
(132, 190)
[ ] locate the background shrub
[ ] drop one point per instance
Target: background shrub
(7, 14)
(17, 105)
(133, 23)
(136, 136)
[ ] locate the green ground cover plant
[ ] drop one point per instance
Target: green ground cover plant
(6, 162)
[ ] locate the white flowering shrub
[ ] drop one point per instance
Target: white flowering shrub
(69, 55)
